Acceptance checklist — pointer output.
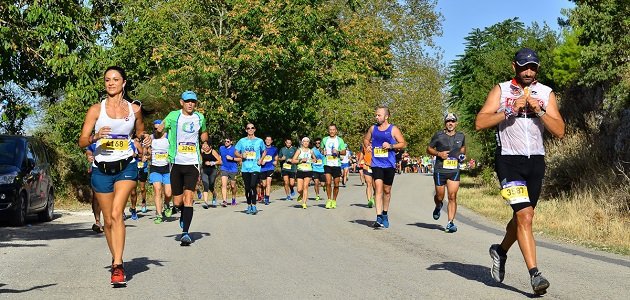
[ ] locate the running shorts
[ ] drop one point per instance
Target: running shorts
(157, 177)
(184, 177)
(511, 168)
(319, 176)
(440, 178)
(104, 183)
(304, 174)
(385, 174)
(335, 172)
(288, 173)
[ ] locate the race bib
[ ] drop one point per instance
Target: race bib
(187, 147)
(515, 192)
(305, 167)
(319, 162)
(249, 155)
(267, 158)
(380, 152)
(160, 156)
(332, 161)
(450, 163)
(115, 142)
(286, 166)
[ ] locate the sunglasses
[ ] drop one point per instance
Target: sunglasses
(248, 128)
(190, 101)
(228, 141)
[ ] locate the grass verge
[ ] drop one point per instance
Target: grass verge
(586, 218)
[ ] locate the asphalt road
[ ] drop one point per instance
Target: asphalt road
(290, 253)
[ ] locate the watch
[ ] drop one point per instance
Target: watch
(541, 113)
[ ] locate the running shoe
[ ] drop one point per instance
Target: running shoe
(205, 205)
(371, 203)
(317, 198)
(328, 203)
(144, 206)
(299, 199)
(157, 220)
(385, 221)
(168, 212)
(224, 204)
(254, 210)
(199, 195)
(266, 200)
(437, 211)
(97, 228)
(233, 202)
(539, 284)
(288, 198)
(249, 209)
(214, 203)
(378, 223)
(304, 205)
(134, 214)
(186, 240)
(498, 264)
(118, 276)
(333, 204)
(174, 209)
(292, 193)
(450, 227)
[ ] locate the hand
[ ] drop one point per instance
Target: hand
(91, 158)
(160, 127)
(103, 132)
(386, 145)
(334, 152)
(533, 104)
(229, 157)
(146, 142)
(208, 163)
(443, 154)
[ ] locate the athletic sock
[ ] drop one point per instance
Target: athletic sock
(501, 252)
(187, 214)
(385, 213)
(533, 271)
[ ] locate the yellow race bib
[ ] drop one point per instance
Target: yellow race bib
(160, 156)
(450, 164)
(515, 192)
(267, 158)
(286, 166)
(380, 152)
(249, 155)
(305, 167)
(115, 142)
(186, 147)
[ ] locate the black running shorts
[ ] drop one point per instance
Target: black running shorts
(385, 174)
(184, 177)
(511, 168)
(335, 172)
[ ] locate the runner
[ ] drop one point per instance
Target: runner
(365, 156)
(229, 170)
(209, 174)
(304, 157)
(251, 150)
(318, 168)
(333, 146)
(143, 175)
(110, 124)
(521, 110)
(184, 128)
(266, 171)
(345, 166)
(289, 170)
(160, 176)
(96, 209)
(449, 147)
(383, 139)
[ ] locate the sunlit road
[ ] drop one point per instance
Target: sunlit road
(290, 253)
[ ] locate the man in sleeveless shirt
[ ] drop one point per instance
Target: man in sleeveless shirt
(185, 127)
(521, 110)
(383, 139)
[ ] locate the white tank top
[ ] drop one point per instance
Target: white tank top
(117, 145)
(305, 166)
(523, 134)
(159, 151)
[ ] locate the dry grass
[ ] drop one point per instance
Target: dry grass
(586, 218)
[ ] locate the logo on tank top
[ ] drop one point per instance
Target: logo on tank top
(189, 127)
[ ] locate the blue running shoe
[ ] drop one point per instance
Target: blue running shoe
(292, 193)
(385, 221)
(254, 210)
(249, 209)
(450, 227)
(289, 198)
(214, 203)
(186, 240)
(144, 206)
(379, 222)
(437, 211)
(134, 214)
(266, 200)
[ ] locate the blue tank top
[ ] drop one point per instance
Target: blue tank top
(383, 158)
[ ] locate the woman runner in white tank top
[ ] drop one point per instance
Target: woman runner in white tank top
(304, 157)
(110, 124)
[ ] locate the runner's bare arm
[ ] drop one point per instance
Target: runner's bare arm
(400, 139)
(295, 157)
(552, 120)
(488, 115)
(86, 138)
(367, 139)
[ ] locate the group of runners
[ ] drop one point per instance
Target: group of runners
(178, 153)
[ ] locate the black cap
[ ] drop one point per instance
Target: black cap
(526, 56)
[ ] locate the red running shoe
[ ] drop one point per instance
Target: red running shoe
(118, 276)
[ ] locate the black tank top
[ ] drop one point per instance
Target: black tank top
(207, 157)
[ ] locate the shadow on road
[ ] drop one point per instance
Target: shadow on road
(367, 223)
(476, 273)
(46, 232)
(428, 226)
(359, 205)
(194, 235)
(12, 291)
(139, 265)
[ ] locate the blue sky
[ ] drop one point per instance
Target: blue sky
(462, 16)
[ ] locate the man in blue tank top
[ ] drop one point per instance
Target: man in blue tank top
(383, 139)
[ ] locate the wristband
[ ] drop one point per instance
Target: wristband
(541, 113)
